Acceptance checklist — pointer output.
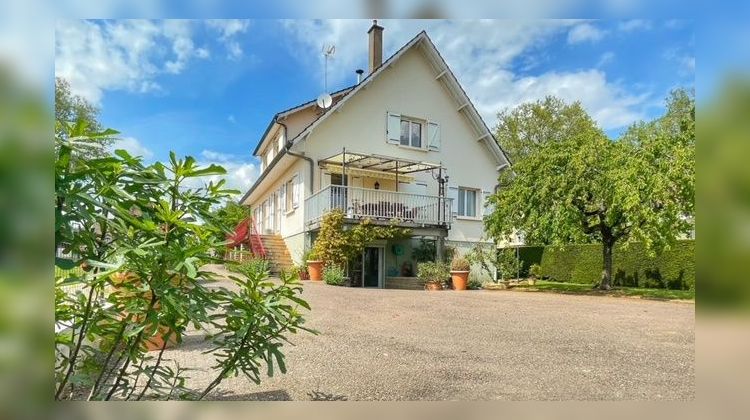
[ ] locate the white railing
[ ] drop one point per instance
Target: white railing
(360, 203)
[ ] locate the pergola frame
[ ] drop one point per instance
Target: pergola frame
(389, 164)
(372, 162)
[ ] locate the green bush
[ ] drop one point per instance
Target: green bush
(633, 267)
(433, 272)
(474, 283)
(535, 271)
(460, 263)
(333, 275)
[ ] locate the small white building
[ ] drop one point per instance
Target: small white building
(379, 152)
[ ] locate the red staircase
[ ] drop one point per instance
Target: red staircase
(247, 233)
(256, 244)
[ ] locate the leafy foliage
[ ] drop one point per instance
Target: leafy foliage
(585, 187)
(231, 214)
(523, 129)
(333, 275)
(74, 109)
(335, 244)
(425, 251)
(674, 268)
(460, 263)
(141, 235)
(535, 271)
(433, 272)
(508, 264)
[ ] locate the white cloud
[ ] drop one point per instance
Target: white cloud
(241, 173)
(481, 54)
(634, 25)
(471, 44)
(232, 119)
(607, 103)
(121, 55)
(133, 146)
(605, 59)
(585, 32)
(228, 30)
(675, 24)
(684, 60)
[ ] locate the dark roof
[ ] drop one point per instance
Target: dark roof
(302, 105)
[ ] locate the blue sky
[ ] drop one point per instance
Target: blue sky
(209, 88)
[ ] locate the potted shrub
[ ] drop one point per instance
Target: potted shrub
(433, 274)
(535, 272)
(460, 272)
(126, 285)
(302, 271)
(314, 266)
(301, 268)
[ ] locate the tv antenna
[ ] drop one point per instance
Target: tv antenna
(328, 51)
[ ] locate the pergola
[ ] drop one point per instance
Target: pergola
(375, 165)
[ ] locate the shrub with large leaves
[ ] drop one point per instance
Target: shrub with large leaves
(140, 234)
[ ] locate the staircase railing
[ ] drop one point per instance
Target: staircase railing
(256, 243)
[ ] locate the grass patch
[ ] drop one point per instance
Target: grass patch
(586, 289)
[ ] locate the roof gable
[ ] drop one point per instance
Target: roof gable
(442, 73)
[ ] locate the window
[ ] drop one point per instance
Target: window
(411, 133)
(289, 194)
(467, 202)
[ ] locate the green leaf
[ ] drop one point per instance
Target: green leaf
(65, 263)
(210, 170)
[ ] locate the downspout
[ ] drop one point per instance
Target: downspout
(288, 150)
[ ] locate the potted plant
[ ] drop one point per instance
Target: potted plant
(126, 285)
(460, 272)
(433, 274)
(535, 272)
(314, 266)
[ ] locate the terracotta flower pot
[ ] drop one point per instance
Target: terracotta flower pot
(459, 279)
(433, 285)
(151, 341)
(315, 269)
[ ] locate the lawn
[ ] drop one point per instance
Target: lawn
(586, 289)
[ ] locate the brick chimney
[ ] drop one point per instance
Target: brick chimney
(376, 45)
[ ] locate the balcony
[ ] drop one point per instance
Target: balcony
(379, 206)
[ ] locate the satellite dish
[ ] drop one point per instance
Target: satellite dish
(324, 101)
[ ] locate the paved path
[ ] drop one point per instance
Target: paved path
(477, 345)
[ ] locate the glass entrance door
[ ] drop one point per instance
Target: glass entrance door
(372, 266)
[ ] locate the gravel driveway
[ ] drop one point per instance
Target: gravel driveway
(476, 345)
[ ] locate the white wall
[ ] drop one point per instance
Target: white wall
(409, 88)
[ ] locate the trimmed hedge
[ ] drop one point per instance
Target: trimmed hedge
(633, 267)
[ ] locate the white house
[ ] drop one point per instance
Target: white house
(379, 152)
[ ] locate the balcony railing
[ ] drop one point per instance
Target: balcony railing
(361, 203)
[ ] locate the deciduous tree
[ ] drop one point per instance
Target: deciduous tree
(584, 187)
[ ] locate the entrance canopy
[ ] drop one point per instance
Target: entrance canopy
(378, 163)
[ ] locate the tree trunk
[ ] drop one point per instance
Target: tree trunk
(606, 282)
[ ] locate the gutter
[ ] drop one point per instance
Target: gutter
(285, 150)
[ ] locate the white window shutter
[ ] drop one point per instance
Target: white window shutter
(296, 189)
(433, 136)
(393, 128)
(487, 207)
(282, 197)
(453, 194)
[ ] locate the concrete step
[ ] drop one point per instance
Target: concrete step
(276, 253)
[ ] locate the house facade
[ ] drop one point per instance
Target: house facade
(404, 145)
